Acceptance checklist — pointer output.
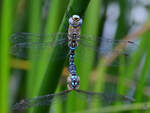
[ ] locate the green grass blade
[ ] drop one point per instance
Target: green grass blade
(33, 77)
(37, 69)
(144, 72)
(53, 21)
(5, 31)
(34, 27)
(122, 28)
(90, 27)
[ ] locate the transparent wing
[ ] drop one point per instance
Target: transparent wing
(22, 37)
(104, 98)
(107, 45)
(45, 100)
(22, 42)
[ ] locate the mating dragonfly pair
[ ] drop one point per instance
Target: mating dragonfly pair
(20, 44)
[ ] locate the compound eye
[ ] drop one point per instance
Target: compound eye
(80, 21)
(75, 17)
(70, 21)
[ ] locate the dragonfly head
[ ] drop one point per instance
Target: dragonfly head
(73, 82)
(75, 21)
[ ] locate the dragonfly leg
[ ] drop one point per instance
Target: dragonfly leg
(69, 81)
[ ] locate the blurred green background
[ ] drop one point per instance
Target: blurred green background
(110, 19)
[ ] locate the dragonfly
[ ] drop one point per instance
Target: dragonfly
(21, 44)
(24, 41)
(47, 100)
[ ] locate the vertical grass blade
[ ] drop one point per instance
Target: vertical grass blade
(54, 14)
(5, 31)
(90, 27)
(53, 21)
(34, 27)
(143, 73)
(35, 16)
(122, 28)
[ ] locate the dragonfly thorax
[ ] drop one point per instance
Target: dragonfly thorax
(73, 38)
(74, 31)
